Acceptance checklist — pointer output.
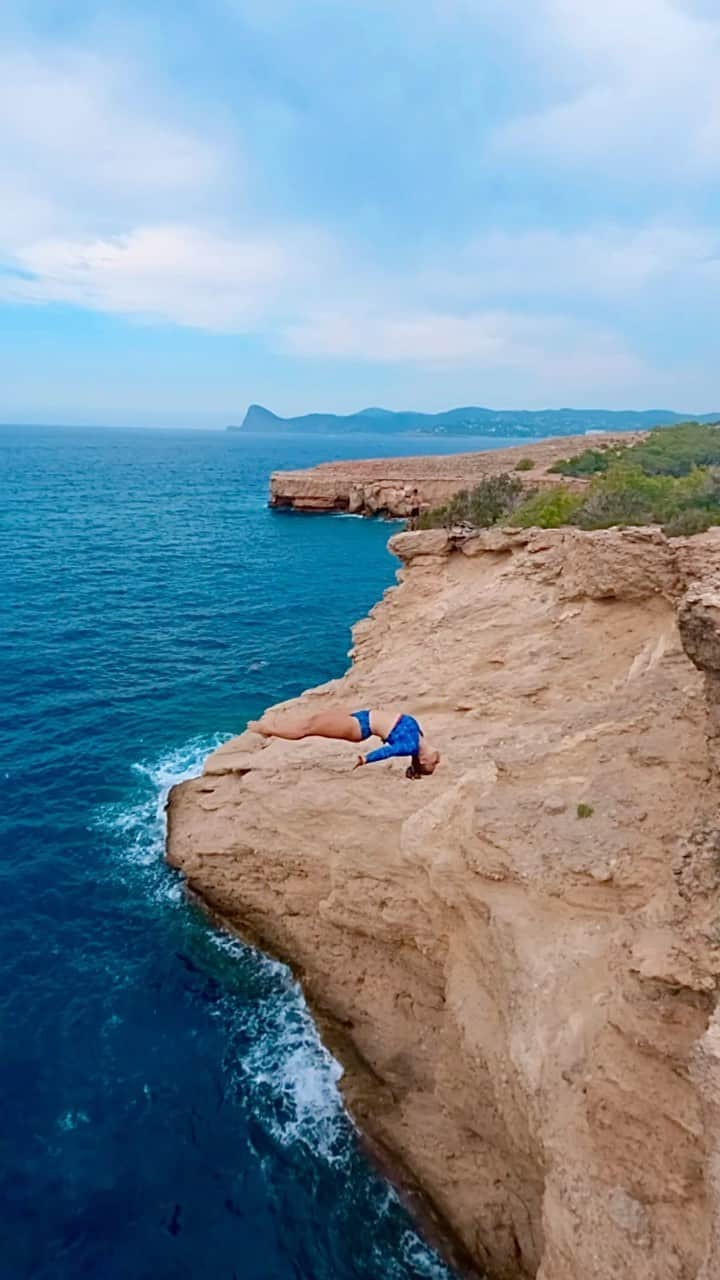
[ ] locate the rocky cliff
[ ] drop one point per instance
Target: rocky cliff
(524, 998)
(408, 486)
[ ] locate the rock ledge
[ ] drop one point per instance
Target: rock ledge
(525, 1000)
(408, 486)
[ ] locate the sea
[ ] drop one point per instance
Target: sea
(168, 1110)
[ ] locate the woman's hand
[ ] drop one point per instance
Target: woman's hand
(360, 760)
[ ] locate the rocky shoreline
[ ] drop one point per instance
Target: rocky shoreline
(517, 959)
(406, 487)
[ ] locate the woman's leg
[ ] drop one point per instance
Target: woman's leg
(333, 723)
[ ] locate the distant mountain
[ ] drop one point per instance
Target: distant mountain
(523, 423)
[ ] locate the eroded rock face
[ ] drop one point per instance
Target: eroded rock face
(407, 486)
(524, 999)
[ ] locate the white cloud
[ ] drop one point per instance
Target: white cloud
(84, 142)
(415, 336)
(184, 275)
(499, 304)
(81, 111)
(646, 99)
(606, 262)
(548, 349)
(118, 201)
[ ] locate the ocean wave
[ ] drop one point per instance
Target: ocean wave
(70, 1120)
(283, 1067)
(136, 825)
(420, 1259)
(275, 1064)
(291, 1080)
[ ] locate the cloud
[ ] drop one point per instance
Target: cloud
(645, 101)
(502, 304)
(85, 141)
(603, 262)
(230, 282)
(71, 109)
(451, 187)
(548, 349)
(184, 275)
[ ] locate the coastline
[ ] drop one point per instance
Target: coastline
(489, 969)
(406, 486)
(358, 1087)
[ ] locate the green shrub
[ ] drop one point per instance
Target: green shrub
(671, 478)
(525, 464)
(480, 507)
(692, 520)
(701, 488)
(625, 497)
(588, 463)
(548, 509)
(667, 451)
(675, 451)
(585, 811)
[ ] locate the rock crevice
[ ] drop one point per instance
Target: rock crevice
(516, 959)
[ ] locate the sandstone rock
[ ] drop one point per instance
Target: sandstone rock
(699, 619)
(493, 540)
(555, 804)
(424, 542)
(407, 486)
(525, 1003)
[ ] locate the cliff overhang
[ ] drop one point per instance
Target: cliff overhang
(517, 959)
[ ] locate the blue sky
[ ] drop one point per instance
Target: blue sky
(324, 204)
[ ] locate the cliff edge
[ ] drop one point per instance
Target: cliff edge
(409, 486)
(516, 959)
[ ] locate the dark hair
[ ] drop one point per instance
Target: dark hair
(414, 770)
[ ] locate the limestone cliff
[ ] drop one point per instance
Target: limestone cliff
(408, 486)
(524, 998)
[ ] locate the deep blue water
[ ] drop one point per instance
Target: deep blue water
(168, 1111)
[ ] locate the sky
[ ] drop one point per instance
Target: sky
(328, 204)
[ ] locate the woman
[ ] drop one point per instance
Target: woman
(401, 734)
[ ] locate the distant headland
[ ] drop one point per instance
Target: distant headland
(469, 421)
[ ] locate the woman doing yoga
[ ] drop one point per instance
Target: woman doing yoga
(401, 733)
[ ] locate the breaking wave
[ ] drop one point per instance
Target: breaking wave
(275, 1061)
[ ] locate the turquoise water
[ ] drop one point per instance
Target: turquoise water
(168, 1109)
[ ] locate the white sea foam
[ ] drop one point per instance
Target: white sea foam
(285, 1075)
(72, 1120)
(289, 1078)
(137, 825)
(414, 1257)
(287, 1070)
(417, 1255)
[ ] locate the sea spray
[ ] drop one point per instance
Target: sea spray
(275, 1066)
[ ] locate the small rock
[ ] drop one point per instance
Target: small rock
(630, 1215)
(554, 804)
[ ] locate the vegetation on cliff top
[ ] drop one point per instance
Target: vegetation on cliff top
(671, 478)
(480, 507)
(669, 451)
